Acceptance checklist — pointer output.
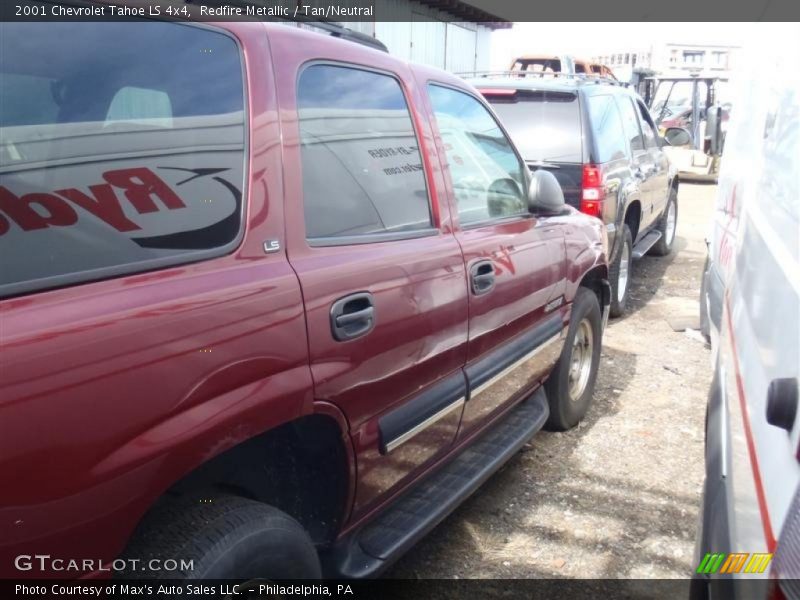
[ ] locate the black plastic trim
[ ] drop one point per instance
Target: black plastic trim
(492, 364)
(367, 552)
(423, 406)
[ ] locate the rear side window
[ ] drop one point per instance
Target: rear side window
(362, 168)
(121, 149)
(610, 139)
(545, 125)
(488, 178)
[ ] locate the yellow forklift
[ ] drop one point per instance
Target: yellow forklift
(691, 117)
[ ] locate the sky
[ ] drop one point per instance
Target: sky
(583, 40)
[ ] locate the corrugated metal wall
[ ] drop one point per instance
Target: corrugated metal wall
(419, 33)
(396, 36)
(426, 42)
(482, 62)
(462, 47)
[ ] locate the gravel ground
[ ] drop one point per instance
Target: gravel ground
(618, 496)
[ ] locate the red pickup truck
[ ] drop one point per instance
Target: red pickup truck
(274, 303)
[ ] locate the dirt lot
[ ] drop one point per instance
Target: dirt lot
(618, 496)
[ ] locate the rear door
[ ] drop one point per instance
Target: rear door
(643, 163)
(660, 177)
(381, 273)
(515, 262)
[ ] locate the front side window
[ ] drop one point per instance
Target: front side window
(631, 124)
(488, 178)
(121, 149)
(362, 168)
(648, 127)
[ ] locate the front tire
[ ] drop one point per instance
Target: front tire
(620, 272)
(571, 384)
(224, 537)
(667, 226)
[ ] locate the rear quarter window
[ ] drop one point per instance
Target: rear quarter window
(122, 148)
(608, 133)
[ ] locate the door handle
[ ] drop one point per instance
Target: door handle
(352, 316)
(362, 315)
(482, 277)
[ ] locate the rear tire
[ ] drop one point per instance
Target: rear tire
(225, 537)
(667, 225)
(620, 274)
(571, 384)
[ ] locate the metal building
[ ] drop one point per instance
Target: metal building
(449, 34)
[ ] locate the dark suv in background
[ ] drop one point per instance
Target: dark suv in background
(599, 140)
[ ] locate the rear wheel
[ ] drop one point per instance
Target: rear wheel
(571, 384)
(667, 226)
(619, 273)
(224, 537)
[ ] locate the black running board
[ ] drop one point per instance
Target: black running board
(370, 550)
(644, 244)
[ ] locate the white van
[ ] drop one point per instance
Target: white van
(749, 539)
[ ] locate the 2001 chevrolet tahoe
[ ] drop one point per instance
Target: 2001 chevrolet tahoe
(273, 303)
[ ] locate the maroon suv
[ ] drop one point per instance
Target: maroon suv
(274, 303)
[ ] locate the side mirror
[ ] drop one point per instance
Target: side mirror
(544, 194)
(677, 136)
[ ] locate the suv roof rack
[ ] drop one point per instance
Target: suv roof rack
(518, 74)
(344, 33)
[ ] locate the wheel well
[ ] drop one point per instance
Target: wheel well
(633, 216)
(299, 468)
(593, 280)
(674, 184)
